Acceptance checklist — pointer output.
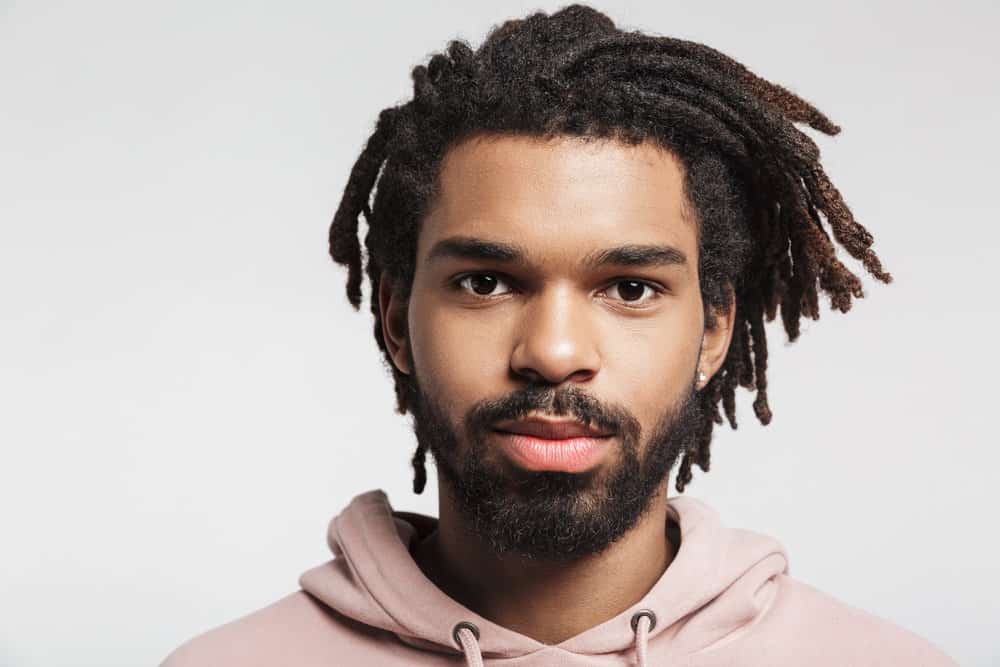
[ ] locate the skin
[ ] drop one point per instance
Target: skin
(553, 320)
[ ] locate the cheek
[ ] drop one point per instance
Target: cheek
(462, 356)
(652, 364)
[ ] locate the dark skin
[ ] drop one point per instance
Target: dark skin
(553, 318)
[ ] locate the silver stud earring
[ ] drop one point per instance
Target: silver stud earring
(701, 376)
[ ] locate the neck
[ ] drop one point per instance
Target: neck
(547, 601)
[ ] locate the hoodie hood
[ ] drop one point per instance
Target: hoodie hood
(720, 580)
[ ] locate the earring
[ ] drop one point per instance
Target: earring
(701, 376)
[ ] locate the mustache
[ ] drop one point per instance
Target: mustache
(568, 400)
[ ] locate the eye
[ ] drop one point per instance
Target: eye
(480, 284)
(631, 290)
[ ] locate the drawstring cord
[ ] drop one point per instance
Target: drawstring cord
(643, 622)
(466, 635)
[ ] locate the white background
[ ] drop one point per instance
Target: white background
(186, 397)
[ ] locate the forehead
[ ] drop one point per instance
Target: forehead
(561, 197)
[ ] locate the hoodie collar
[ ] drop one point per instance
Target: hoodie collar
(374, 579)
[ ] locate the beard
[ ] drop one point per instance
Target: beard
(552, 515)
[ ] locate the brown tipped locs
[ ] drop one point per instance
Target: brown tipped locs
(765, 207)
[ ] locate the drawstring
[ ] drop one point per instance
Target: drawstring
(643, 622)
(466, 635)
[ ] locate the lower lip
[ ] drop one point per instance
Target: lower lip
(566, 455)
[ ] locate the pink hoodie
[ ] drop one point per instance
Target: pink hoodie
(726, 599)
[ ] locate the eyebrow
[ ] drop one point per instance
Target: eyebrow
(632, 255)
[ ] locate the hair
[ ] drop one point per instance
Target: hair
(752, 179)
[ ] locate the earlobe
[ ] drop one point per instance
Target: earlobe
(393, 312)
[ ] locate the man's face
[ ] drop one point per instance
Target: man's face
(557, 280)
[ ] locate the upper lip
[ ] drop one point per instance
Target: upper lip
(550, 429)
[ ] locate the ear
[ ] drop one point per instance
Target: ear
(395, 331)
(715, 343)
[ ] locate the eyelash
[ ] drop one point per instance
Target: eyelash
(455, 284)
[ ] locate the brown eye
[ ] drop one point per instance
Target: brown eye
(635, 293)
(481, 284)
(631, 290)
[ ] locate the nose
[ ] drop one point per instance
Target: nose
(557, 341)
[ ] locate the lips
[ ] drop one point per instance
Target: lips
(547, 429)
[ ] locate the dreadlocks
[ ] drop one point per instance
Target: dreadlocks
(752, 179)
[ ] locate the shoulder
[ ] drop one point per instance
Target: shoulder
(822, 629)
(297, 629)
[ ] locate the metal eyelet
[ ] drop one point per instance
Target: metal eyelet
(639, 614)
(459, 626)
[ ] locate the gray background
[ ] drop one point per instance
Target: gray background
(187, 397)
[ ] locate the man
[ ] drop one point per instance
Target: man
(576, 237)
